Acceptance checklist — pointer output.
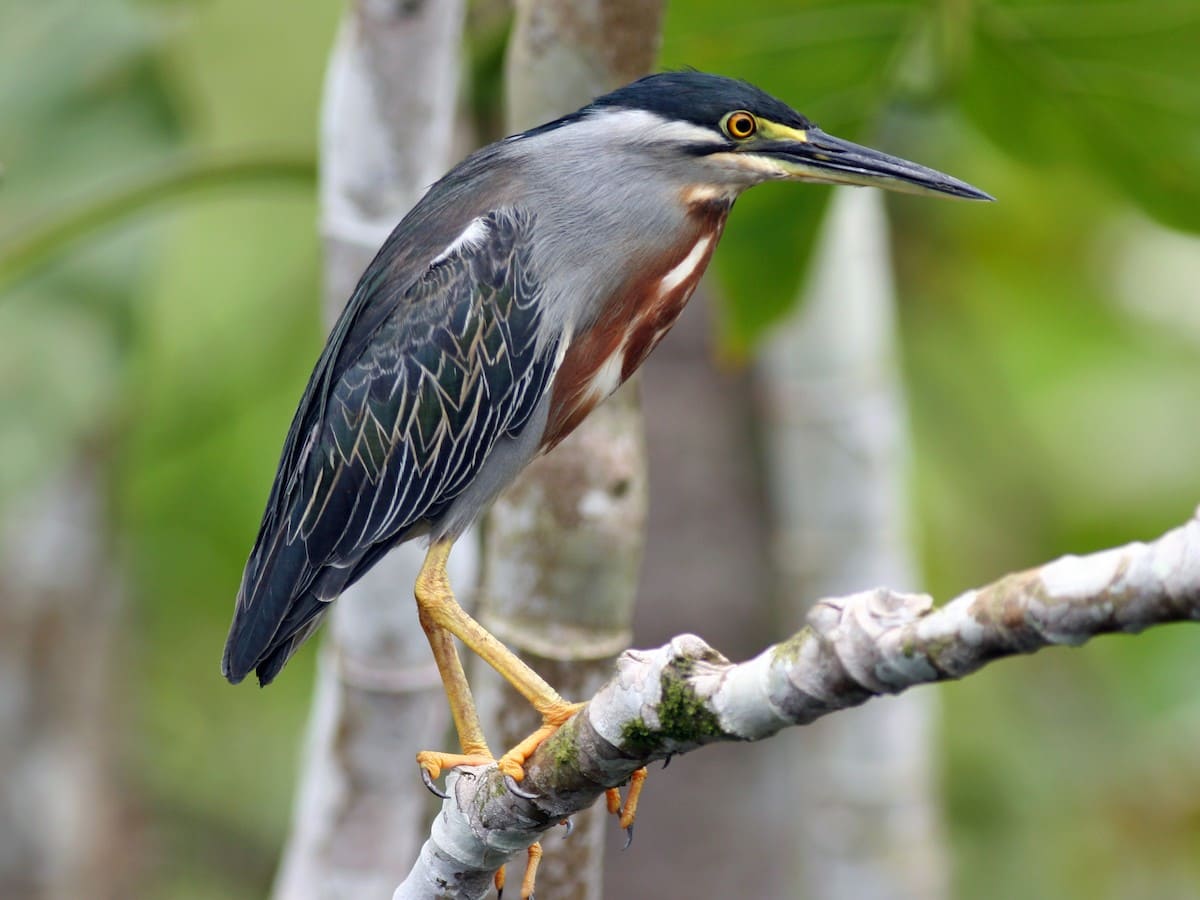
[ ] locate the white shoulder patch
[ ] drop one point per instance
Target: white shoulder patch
(471, 237)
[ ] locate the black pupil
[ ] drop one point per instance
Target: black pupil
(741, 125)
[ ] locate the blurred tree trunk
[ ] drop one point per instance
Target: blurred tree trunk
(361, 810)
(836, 449)
(58, 603)
(563, 545)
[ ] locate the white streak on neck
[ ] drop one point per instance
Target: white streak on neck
(608, 377)
(564, 343)
(686, 267)
(472, 236)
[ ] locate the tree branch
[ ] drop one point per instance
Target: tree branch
(684, 695)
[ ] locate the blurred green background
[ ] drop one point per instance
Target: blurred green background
(160, 270)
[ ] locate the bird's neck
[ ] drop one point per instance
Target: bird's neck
(633, 318)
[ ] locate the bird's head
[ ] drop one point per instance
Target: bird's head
(730, 135)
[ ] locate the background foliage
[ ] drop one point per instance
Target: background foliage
(160, 266)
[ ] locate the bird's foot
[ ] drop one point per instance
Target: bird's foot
(531, 867)
(628, 811)
(512, 763)
(433, 763)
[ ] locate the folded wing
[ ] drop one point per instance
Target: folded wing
(413, 390)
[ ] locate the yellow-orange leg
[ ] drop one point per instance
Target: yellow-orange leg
(628, 812)
(612, 800)
(441, 616)
(553, 717)
(532, 861)
(475, 750)
(531, 867)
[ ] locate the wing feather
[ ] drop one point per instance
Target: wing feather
(394, 424)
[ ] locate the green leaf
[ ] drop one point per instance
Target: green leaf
(762, 260)
(54, 52)
(1113, 88)
(32, 243)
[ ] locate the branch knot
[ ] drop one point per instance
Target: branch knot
(854, 627)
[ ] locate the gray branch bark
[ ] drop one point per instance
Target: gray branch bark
(684, 695)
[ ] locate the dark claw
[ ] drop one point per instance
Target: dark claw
(628, 837)
(569, 823)
(511, 784)
(667, 760)
(433, 788)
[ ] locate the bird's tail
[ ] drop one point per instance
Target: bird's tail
(273, 614)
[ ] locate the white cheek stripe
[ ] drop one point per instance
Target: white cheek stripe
(686, 267)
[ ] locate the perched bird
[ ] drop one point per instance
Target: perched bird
(520, 292)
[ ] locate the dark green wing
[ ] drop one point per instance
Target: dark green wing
(414, 388)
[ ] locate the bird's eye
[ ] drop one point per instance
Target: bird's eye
(740, 125)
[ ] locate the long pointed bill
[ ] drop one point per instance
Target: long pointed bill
(821, 157)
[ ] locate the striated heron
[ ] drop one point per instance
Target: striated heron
(520, 292)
